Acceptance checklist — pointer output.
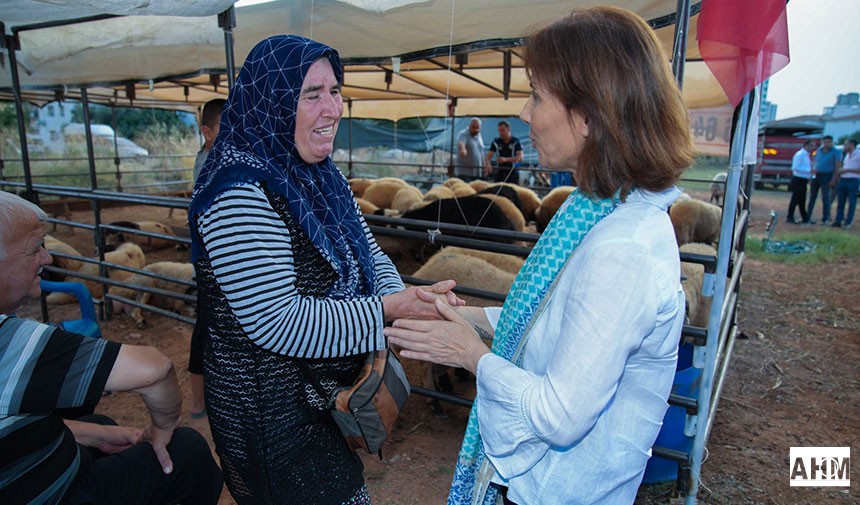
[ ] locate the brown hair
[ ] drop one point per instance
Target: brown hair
(606, 63)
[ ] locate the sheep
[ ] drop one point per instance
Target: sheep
(128, 254)
(530, 201)
(381, 193)
(53, 245)
(510, 210)
(184, 271)
(470, 211)
(438, 193)
(359, 185)
(695, 221)
(507, 262)
(462, 189)
(479, 185)
(406, 198)
(365, 206)
(149, 243)
(506, 191)
(698, 308)
(549, 206)
(468, 271)
(453, 181)
(718, 188)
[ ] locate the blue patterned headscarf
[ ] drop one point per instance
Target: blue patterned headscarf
(256, 144)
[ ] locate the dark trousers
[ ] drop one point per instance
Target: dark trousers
(134, 476)
(504, 174)
(797, 186)
(846, 190)
(821, 181)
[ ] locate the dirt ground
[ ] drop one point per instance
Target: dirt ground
(794, 381)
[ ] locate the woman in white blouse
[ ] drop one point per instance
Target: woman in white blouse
(572, 395)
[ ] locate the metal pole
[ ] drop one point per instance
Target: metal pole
(227, 21)
(98, 237)
(736, 157)
(349, 163)
(12, 43)
(682, 26)
(116, 160)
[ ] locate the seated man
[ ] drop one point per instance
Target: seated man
(46, 459)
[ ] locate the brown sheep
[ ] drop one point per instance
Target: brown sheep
(438, 193)
(184, 271)
(365, 206)
(507, 262)
(381, 193)
(462, 189)
(453, 181)
(695, 221)
(510, 210)
(692, 276)
(52, 245)
(145, 242)
(127, 254)
(479, 185)
(359, 186)
(406, 198)
(549, 206)
(530, 201)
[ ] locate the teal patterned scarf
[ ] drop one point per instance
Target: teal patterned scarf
(564, 233)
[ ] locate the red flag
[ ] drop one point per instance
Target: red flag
(743, 42)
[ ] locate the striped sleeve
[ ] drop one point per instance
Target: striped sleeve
(249, 247)
(44, 368)
(388, 279)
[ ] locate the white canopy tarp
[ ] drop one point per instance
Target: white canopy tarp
(172, 53)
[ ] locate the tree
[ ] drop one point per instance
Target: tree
(843, 138)
(131, 122)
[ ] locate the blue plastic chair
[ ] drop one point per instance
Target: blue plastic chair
(88, 324)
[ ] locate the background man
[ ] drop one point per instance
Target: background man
(470, 151)
(847, 183)
(801, 171)
(47, 459)
(210, 124)
(509, 152)
(827, 161)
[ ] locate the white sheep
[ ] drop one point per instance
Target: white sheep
(172, 269)
(127, 254)
(718, 188)
(147, 243)
(438, 193)
(52, 245)
(695, 221)
(365, 206)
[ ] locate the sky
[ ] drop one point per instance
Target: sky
(823, 39)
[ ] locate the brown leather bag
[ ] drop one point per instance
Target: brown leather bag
(366, 411)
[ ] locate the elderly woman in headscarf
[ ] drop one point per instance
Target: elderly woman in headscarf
(288, 272)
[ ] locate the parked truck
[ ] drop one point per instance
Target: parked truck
(777, 143)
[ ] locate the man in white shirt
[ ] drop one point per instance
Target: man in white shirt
(801, 172)
(847, 182)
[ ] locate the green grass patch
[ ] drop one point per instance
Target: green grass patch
(830, 245)
(698, 176)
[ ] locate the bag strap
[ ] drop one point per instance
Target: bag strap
(312, 379)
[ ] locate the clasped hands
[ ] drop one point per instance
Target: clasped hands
(444, 336)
